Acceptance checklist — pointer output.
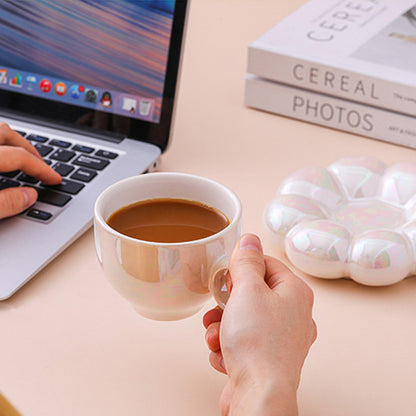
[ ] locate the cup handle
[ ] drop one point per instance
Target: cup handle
(217, 285)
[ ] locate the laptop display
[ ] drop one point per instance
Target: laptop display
(80, 61)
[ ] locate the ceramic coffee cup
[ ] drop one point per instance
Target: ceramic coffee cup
(167, 281)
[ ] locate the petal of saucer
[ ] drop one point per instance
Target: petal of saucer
(285, 211)
(380, 257)
(319, 248)
(409, 230)
(315, 183)
(360, 176)
(398, 184)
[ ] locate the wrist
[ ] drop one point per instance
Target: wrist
(269, 398)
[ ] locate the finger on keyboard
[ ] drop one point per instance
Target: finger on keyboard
(16, 158)
(12, 138)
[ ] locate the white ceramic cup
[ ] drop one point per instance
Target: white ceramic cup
(167, 281)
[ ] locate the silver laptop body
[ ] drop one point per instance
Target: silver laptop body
(118, 130)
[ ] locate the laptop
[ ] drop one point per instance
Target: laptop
(92, 86)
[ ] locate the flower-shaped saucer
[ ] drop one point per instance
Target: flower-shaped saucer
(356, 219)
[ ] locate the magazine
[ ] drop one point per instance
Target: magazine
(361, 50)
(330, 111)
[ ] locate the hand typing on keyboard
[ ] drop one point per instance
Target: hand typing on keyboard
(17, 153)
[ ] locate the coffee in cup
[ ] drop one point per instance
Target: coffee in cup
(168, 220)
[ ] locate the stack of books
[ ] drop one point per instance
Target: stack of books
(344, 64)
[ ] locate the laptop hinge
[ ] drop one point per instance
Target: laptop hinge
(113, 137)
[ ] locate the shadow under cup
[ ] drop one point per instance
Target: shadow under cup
(165, 281)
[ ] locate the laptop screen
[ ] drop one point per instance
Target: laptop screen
(103, 66)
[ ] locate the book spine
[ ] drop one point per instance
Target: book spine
(328, 79)
(330, 111)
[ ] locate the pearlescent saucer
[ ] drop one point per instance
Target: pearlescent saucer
(356, 219)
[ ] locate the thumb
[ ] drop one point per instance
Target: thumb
(15, 200)
(247, 264)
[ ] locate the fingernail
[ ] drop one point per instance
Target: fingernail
(30, 196)
(251, 242)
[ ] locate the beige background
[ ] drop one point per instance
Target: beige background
(71, 346)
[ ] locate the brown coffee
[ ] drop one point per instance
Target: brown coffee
(167, 220)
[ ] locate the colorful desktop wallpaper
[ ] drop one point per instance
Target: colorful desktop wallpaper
(120, 45)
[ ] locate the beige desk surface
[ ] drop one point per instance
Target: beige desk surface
(71, 346)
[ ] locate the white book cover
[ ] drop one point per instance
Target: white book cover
(329, 111)
(362, 50)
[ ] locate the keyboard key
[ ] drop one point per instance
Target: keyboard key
(91, 162)
(40, 215)
(60, 143)
(26, 178)
(68, 187)
(62, 168)
(82, 148)
(84, 175)
(36, 138)
(8, 183)
(48, 162)
(22, 133)
(11, 174)
(106, 154)
(62, 155)
(43, 149)
(51, 197)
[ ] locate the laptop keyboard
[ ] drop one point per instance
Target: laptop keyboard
(77, 163)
